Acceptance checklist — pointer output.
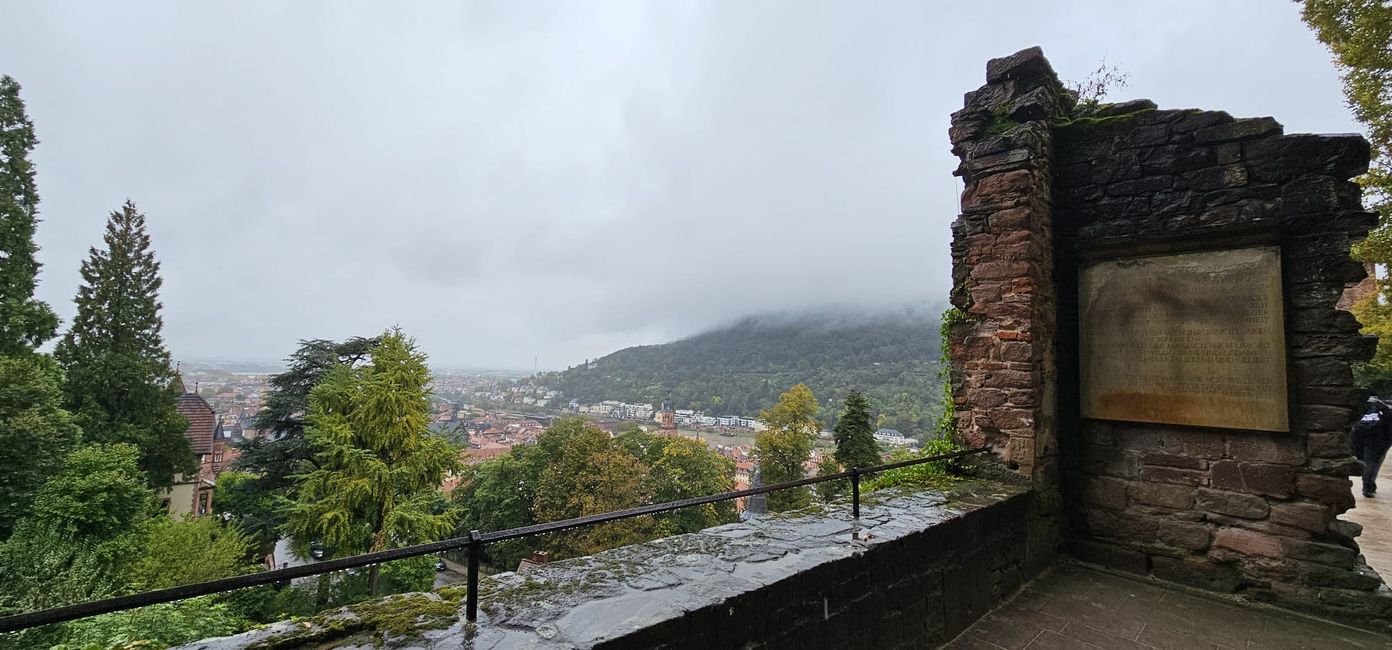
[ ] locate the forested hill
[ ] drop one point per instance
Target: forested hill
(893, 357)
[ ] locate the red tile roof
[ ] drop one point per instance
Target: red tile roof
(202, 422)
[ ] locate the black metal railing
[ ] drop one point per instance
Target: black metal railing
(474, 542)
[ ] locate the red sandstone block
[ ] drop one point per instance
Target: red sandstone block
(1248, 542)
(1328, 445)
(1336, 491)
(1199, 444)
(1017, 182)
(989, 398)
(1164, 495)
(1270, 480)
(1016, 351)
(1313, 517)
(1233, 504)
(1001, 270)
(1004, 418)
(1279, 449)
(1105, 492)
(1172, 460)
(1172, 475)
(1017, 237)
(1012, 335)
(985, 292)
(1007, 379)
(1195, 537)
(1012, 219)
(1330, 554)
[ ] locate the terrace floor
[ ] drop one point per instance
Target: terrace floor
(1375, 515)
(1079, 608)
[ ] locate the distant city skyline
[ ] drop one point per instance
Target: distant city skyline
(507, 181)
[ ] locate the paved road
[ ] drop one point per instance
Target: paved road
(284, 555)
(1376, 517)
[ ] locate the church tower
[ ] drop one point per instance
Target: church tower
(667, 418)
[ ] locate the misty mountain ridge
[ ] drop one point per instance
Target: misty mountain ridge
(740, 368)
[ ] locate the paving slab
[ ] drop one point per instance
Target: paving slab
(1076, 607)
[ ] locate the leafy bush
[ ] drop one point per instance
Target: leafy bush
(923, 474)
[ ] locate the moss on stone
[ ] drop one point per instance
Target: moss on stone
(1089, 121)
(406, 615)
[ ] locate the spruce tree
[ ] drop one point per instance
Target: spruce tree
(25, 323)
(855, 434)
(118, 371)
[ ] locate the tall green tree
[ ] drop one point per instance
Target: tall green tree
(588, 473)
(855, 434)
(379, 467)
(271, 462)
(25, 323)
(119, 379)
(36, 434)
(785, 447)
(683, 468)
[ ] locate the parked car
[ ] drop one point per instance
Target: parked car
(317, 550)
(440, 564)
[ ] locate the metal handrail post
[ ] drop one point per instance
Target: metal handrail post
(475, 548)
(855, 492)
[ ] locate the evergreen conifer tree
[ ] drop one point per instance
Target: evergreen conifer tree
(855, 434)
(25, 323)
(379, 468)
(119, 378)
(35, 432)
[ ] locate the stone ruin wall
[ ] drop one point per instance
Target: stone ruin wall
(1221, 509)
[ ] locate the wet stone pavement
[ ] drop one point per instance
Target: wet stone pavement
(1375, 515)
(1079, 608)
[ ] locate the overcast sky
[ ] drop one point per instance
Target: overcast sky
(509, 180)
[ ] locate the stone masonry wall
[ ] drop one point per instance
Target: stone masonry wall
(1002, 339)
(1228, 510)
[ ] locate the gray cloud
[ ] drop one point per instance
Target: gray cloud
(516, 179)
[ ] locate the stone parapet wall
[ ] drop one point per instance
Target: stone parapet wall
(913, 572)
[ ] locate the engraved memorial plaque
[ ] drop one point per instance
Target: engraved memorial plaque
(1193, 338)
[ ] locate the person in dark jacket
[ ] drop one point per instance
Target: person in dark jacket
(1371, 436)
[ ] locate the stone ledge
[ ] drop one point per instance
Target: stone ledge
(782, 580)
